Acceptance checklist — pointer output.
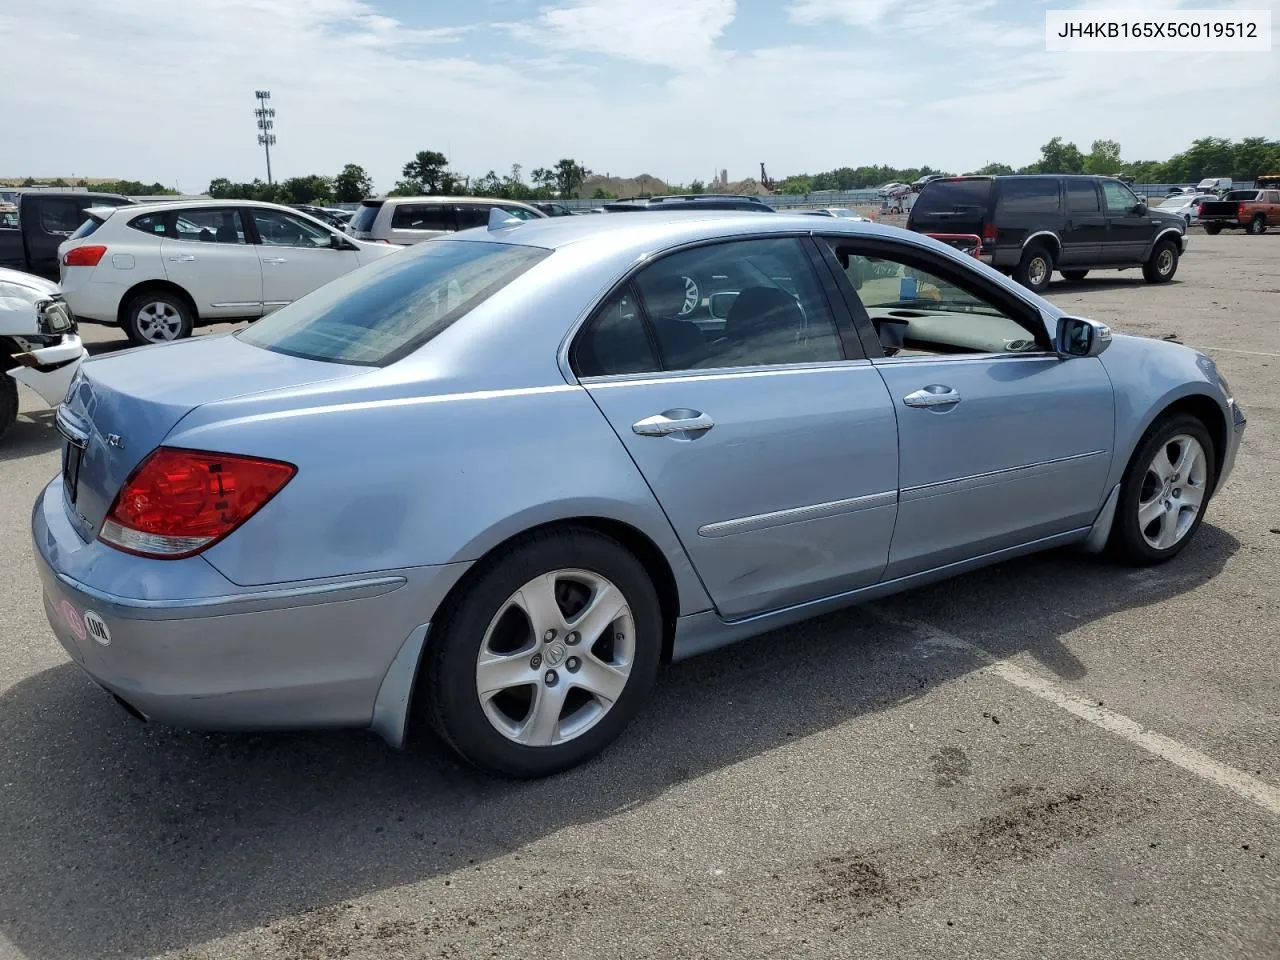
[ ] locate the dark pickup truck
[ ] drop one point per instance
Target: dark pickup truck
(1251, 210)
(45, 219)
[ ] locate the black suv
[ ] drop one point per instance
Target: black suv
(702, 201)
(1033, 225)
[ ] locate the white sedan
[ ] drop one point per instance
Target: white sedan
(159, 269)
(1186, 206)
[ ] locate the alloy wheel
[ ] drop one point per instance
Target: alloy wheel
(159, 321)
(556, 657)
(1172, 492)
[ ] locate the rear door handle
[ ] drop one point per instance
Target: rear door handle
(673, 421)
(185, 258)
(274, 260)
(934, 395)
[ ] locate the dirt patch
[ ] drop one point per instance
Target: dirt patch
(950, 766)
(861, 884)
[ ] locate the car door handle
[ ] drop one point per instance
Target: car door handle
(274, 260)
(673, 421)
(185, 258)
(934, 395)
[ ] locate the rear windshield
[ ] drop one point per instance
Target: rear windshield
(381, 313)
(953, 196)
(1245, 195)
(364, 217)
(85, 229)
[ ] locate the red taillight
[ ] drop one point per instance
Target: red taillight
(989, 233)
(1240, 211)
(179, 502)
(83, 256)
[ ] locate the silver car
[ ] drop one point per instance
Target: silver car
(504, 476)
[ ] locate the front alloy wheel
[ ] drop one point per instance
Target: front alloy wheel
(1173, 491)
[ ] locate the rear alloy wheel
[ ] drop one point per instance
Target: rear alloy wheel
(1163, 263)
(157, 317)
(1258, 225)
(547, 656)
(1035, 268)
(1075, 276)
(1165, 490)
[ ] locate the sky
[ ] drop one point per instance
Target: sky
(162, 90)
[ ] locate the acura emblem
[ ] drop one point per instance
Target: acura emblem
(115, 440)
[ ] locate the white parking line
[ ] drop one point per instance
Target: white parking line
(1252, 353)
(1188, 758)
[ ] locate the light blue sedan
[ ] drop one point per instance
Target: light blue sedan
(503, 476)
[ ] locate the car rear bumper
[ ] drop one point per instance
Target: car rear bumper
(295, 655)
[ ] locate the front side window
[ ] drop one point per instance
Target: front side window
(1120, 199)
(917, 312)
(205, 226)
(276, 229)
(376, 315)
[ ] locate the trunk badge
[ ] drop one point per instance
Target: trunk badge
(114, 440)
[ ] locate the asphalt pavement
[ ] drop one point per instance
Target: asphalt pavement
(1055, 757)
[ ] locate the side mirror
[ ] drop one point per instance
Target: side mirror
(1080, 337)
(719, 304)
(1140, 207)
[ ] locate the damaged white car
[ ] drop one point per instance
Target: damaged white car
(39, 346)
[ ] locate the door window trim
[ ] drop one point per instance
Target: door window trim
(1024, 314)
(850, 345)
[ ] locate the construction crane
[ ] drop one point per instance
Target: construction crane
(765, 180)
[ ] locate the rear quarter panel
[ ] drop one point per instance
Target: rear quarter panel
(426, 480)
(1149, 376)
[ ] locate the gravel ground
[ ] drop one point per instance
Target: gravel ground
(1050, 758)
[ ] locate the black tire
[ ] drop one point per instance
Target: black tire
(1035, 268)
(448, 679)
(1162, 264)
(172, 314)
(8, 402)
(1127, 543)
(1258, 225)
(1213, 229)
(1075, 276)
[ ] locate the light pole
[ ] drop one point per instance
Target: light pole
(266, 123)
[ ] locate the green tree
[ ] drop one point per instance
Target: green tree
(352, 185)
(28, 182)
(427, 169)
(795, 185)
(603, 194)
(569, 175)
(490, 185)
(1059, 157)
(58, 183)
(1253, 157)
(1104, 158)
(994, 170)
(697, 187)
(312, 188)
(220, 188)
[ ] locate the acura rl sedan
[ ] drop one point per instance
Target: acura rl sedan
(500, 478)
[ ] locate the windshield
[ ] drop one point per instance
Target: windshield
(953, 196)
(1242, 195)
(379, 314)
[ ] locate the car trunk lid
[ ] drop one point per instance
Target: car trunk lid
(1226, 209)
(121, 407)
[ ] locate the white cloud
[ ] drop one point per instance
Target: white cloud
(669, 33)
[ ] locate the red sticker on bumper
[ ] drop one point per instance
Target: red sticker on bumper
(71, 617)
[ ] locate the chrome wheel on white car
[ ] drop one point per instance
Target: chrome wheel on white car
(157, 317)
(544, 654)
(556, 657)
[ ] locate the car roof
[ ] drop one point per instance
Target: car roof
(134, 209)
(438, 198)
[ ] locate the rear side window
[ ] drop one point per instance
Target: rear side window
(953, 196)
(85, 229)
(376, 316)
(153, 223)
(422, 216)
(1028, 195)
(364, 217)
(1242, 195)
(617, 341)
(60, 215)
(469, 215)
(1082, 197)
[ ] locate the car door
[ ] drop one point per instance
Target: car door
(297, 256)
(1000, 441)
(1086, 224)
(1129, 232)
(206, 252)
(771, 446)
(1272, 200)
